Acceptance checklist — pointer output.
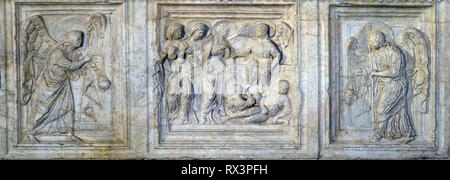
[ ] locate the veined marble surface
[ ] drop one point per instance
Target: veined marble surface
(231, 79)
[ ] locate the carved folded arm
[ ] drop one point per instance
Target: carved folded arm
(64, 62)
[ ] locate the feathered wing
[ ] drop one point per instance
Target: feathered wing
(35, 45)
(417, 51)
(356, 55)
(93, 47)
(95, 31)
(358, 85)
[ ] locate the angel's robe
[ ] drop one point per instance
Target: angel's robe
(268, 57)
(52, 103)
(391, 117)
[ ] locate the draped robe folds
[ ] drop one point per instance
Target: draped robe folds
(52, 103)
(198, 53)
(266, 56)
(390, 108)
(213, 87)
(179, 80)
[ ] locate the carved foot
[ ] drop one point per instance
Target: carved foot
(407, 140)
(375, 138)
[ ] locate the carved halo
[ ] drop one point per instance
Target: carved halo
(191, 24)
(228, 25)
(67, 24)
(374, 26)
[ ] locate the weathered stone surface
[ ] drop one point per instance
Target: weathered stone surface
(256, 79)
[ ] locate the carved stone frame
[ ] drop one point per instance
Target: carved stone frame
(13, 148)
(429, 13)
(314, 57)
(159, 146)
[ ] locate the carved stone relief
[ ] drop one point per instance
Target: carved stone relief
(69, 59)
(228, 79)
(382, 76)
(196, 69)
(381, 79)
(50, 68)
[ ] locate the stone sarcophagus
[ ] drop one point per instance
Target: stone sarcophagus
(259, 79)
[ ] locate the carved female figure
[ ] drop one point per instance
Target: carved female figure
(173, 58)
(197, 54)
(390, 90)
(213, 104)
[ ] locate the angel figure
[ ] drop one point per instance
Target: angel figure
(49, 67)
(381, 81)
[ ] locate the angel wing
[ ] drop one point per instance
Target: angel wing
(96, 76)
(35, 45)
(95, 31)
(357, 56)
(358, 85)
(417, 51)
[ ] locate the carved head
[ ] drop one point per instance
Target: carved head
(199, 31)
(262, 30)
(283, 86)
(75, 38)
(175, 31)
(376, 39)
